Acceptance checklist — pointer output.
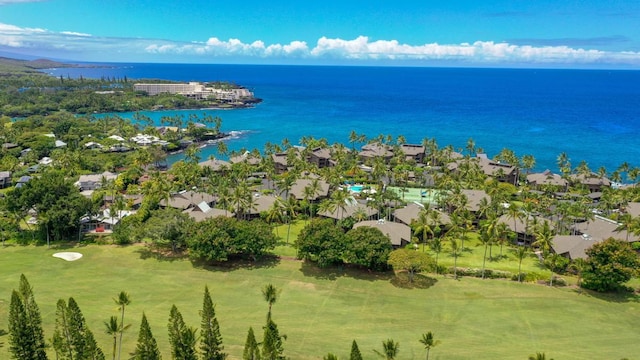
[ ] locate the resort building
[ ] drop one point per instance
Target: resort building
(547, 178)
(195, 90)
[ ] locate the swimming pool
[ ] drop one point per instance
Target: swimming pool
(355, 188)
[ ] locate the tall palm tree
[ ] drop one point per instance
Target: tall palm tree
(436, 246)
(422, 226)
(390, 349)
(275, 214)
(113, 328)
(521, 253)
(486, 238)
(270, 295)
(122, 300)
(290, 208)
(455, 252)
(429, 342)
(544, 237)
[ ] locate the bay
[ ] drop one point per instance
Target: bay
(591, 115)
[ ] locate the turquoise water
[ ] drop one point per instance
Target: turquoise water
(590, 115)
(355, 188)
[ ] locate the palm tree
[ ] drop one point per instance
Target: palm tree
(486, 238)
(390, 349)
(626, 222)
(579, 265)
(423, 226)
(544, 237)
(270, 295)
(514, 213)
(290, 208)
(436, 246)
(455, 251)
(521, 253)
(538, 356)
(429, 342)
(312, 191)
(113, 328)
(122, 300)
(275, 214)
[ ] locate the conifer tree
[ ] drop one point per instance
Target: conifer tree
(30, 340)
(72, 339)
(61, 338)
(147, 347)
(21, 341)
(251, 349)
(355, 351)
(181, 337)
(210, 338)
(272, 347)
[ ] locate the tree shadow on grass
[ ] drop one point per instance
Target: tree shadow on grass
(309, 268)
(620, 296)
(147, 252)
(266, 261)
(420, 281)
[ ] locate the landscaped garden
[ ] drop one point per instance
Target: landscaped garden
(323, 310)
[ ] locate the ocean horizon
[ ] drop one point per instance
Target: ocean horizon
(591, 115)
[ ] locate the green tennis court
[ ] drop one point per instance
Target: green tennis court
(421, 195)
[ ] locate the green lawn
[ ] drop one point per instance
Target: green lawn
(323, 311)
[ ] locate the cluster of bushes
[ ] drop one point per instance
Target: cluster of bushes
(325, 243)
(213, 240)
(475, 272)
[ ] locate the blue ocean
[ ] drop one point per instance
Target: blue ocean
(591, 115)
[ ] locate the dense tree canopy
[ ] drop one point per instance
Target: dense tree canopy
(57, 201)
(219, 239)
(609, 265)
(411, 261)
(321, 241)
(368, 247)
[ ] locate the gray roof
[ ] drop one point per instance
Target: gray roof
(397, 233)
(297, 189)
(546, 178)
(573, 245)
(633, 208)
(411, 212)
(202, 212)
(215, 164)
(602, 228)
(474, 197)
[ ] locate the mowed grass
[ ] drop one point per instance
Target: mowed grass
(322, 311)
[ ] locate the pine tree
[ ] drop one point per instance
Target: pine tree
(61, 338)
(211, 339)
(21, 342)
(31, 326)
(147, 347)
(355, 352)
(272, 347)
(251, 349)
(72, 339)
(181, 337)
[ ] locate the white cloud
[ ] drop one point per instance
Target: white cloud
(360, 49)
(73, 33)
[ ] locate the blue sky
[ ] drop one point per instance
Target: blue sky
(516, 33)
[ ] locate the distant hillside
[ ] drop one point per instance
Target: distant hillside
(9, 66)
